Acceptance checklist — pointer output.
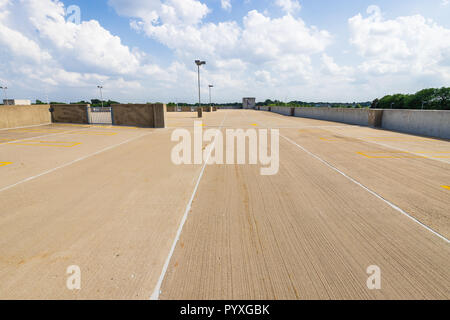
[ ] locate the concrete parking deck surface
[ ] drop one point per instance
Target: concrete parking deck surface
(109, 200)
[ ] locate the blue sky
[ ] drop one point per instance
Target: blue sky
(143, 50)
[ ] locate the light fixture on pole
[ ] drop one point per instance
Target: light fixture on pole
(101, 94)
(210, 86)
(199, 63)
(6, 96)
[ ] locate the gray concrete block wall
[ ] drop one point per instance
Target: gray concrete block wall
(282, 110)
(264, 108)
(140, 115)
(349, 116)
(70, 113)
(432, 123)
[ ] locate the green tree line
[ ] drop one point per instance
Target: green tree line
(428, 99)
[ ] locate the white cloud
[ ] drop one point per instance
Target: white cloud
(39, 48)
(405, 45)
(289, 6)
(173, 12)
(226, 5)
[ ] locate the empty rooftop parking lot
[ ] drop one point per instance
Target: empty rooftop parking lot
(110, 200)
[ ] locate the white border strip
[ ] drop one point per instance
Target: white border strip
(71, 162)
(367, 189)
(35, 125)
(157, 290)
(42, 136)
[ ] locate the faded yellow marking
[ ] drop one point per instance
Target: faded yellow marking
(392, 139)
(446, 187)
(404, 154)
(254, 124)
(94, 133)
(40, 130)
(60, 144)
(2, 164)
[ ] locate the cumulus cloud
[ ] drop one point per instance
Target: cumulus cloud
(43, 49)
(405, 45)
(261, 44)
(289, 6)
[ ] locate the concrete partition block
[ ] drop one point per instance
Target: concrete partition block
(22, 116)
(70, 113)
(375, 118)
(159, 115)
(140, 115)
(171, 109)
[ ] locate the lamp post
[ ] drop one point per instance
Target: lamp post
(101, 94)
(6, 96)
(199, 63)
(210, 86)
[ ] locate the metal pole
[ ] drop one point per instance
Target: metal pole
(210, 104)
(6, 97)
(101, 96)
(199, 97)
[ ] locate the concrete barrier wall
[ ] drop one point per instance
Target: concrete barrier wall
(230, 107)
(264, 108)
(140, 115)
(350, 116)
(433, 123)
(23, 116)
(287, 111)
(70, 113)
(171, 109)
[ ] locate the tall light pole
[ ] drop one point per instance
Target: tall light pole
(6, 96)
(199, 63)
(101, 94)
(210, 86)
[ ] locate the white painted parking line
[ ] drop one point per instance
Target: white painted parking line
(366, 188)
(72, 162)
(157, 290)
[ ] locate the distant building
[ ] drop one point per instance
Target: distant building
(249, 103)
(16, 102)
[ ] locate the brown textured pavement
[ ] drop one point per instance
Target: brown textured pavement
(113, 203)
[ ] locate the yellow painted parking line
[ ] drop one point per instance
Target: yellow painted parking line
(254, 124)
(60, 144)
(40, 130)
(404, 154)
(446, 187)
(94, 133)
(392, 139)
(2, 164)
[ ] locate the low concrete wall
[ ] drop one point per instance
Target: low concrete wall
(140, 115)
(264, 108)
(171, 109)
(230, 107)
(433, 123)
(70, 113)
(23, 116)
(287, 111)
(375, 118)
(350, 116)
(187, 109)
